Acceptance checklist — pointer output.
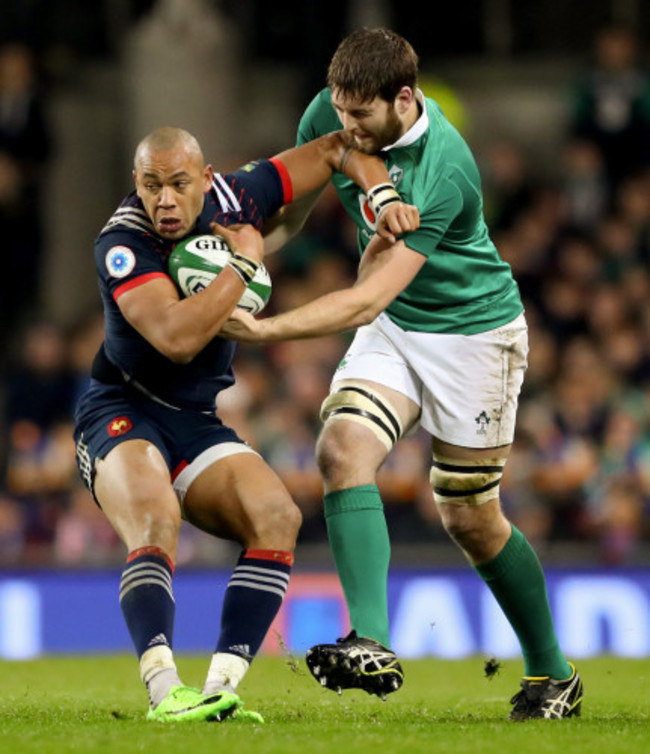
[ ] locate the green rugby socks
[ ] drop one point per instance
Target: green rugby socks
(517, 580)
(358, 536)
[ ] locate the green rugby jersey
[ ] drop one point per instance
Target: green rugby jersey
(464, 286)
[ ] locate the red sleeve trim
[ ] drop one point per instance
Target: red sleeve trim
(136, 282)
(287, 186)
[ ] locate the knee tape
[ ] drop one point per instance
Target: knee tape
(360, 403)
(465, 481)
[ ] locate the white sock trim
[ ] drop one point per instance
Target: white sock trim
(154, 660)
(226, 672)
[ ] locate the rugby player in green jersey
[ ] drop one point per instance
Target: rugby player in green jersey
(442, 345)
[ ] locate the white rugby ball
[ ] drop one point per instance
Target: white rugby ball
(196, 261)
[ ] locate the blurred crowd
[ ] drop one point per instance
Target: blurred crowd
(579, 246)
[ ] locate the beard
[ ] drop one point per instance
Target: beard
(375, 141)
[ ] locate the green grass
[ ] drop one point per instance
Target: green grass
(96, 704)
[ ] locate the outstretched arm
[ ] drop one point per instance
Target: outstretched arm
(385, 270)
(310, 167)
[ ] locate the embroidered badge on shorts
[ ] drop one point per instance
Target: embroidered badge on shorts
(482, 420)
(119, 426)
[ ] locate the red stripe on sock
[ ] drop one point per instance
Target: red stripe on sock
(276, 555)
(151, 550)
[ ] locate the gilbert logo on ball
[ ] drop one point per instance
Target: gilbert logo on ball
(196, 261)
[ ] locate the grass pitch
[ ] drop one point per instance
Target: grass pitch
(97, 704)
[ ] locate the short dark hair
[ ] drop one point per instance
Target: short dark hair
(373, 63)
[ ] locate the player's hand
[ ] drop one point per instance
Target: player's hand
(242, 326)
(242, 239)
(396, 219)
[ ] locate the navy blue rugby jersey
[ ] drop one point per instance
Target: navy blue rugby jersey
(129, 253)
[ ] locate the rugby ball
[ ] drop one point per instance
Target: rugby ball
(196, 261)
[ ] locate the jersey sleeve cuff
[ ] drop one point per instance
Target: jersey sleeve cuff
(136, 282)
(285, 178)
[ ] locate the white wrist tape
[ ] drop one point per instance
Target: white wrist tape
(380, 196)
(245, 267)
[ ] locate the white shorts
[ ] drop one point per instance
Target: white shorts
(466, 386)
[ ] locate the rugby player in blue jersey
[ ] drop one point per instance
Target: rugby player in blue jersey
(149, 444)
(442, 345)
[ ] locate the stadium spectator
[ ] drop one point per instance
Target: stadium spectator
(507, 185)
(611, 104)
(616, 494)
(583, 185)
(39, 386)
(446, 335)
(150, 446)
(12, 536)
(39, 391)
(25, 150)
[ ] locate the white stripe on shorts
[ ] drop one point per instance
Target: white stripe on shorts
(203, 460)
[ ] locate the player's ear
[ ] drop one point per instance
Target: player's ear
(404, 99)
(208, 177)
